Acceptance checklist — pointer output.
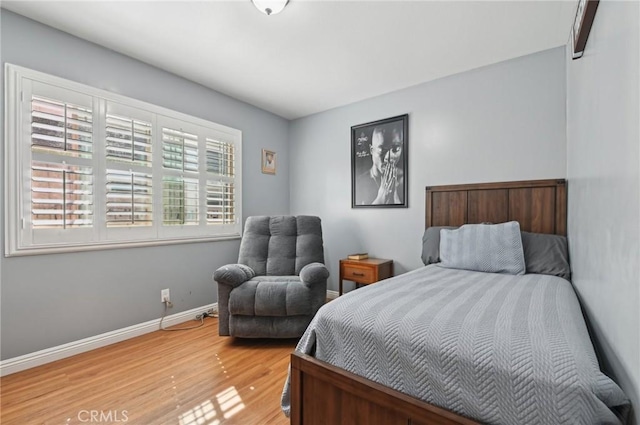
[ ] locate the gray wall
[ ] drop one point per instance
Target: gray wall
(501, 122)
(49, 300)
(603, 162)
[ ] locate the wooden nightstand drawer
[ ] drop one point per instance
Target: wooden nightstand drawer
(359, 274)
(365, 272)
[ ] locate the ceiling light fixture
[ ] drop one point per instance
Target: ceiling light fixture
(270, 7)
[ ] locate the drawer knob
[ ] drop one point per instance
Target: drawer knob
(358, 274)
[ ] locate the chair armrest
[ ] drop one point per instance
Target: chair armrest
(233, 274)
(314, 273)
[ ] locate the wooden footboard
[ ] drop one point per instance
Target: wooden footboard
(325, 394)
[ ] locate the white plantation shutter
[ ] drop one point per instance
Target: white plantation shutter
(61, 196)
(129, 199)
(220, 158)
(87, 169)
(179, 150)
(61, 128)
(180, 201)
(59, 187)
(220, 203)
(128, 140)
(128, 178)
(220, 193)
(180, 198)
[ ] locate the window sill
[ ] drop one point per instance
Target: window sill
(114, 245)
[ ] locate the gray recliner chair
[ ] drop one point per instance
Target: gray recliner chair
(279, 282)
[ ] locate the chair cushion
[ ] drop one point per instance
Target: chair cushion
(281, 245)
(271, 296)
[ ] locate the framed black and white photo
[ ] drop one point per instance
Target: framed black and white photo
(379, 163)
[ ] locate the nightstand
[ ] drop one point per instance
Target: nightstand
(365, 272)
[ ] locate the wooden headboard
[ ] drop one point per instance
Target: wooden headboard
(539, 205)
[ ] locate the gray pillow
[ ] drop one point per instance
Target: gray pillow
(492, 248)
(431, 244)
(546, 254)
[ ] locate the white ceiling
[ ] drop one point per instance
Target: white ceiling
(315, 55)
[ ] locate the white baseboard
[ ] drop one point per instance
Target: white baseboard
(52, 354)
(49, 355)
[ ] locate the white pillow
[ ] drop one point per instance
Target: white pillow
(492, 248)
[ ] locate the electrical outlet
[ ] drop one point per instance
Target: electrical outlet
(165, 295)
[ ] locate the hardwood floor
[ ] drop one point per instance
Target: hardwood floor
(191, 377)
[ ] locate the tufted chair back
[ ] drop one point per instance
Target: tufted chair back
(281, 245)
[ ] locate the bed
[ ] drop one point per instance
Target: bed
(448, 346)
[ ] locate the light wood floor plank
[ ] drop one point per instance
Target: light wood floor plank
(192, 377)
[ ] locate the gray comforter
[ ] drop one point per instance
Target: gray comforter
(501, 349)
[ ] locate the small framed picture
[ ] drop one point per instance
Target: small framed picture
(268, 161)
(379, 163)
(585, 14)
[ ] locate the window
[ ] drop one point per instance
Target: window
(89, 169)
